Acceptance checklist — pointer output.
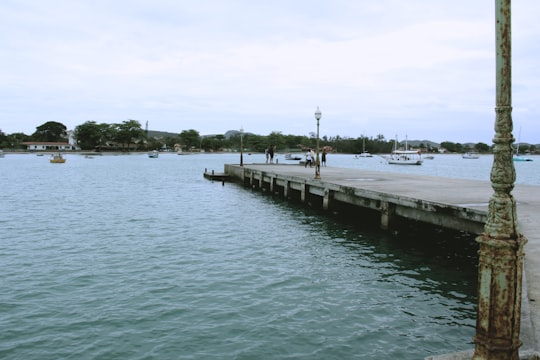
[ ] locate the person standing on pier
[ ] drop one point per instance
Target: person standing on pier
(267, 154)
(323, 159)
(308, 158)
(271, 152)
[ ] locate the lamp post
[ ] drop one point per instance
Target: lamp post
(500, 263)
(317, 163)
(241, 147)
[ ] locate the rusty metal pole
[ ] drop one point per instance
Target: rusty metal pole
(500, 266)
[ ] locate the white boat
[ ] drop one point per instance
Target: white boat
(364, 153)
(153, 154)
(404, 157)
(289, 156)
(517, 157)
(471, 155)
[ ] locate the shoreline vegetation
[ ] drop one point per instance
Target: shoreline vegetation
(144, 152)
(130, 137)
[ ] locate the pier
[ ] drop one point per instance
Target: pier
(457, 204)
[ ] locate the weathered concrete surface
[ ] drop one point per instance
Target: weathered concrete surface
(469, 194)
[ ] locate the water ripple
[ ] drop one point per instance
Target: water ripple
(139, 260)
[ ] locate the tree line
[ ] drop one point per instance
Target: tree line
(130, 136)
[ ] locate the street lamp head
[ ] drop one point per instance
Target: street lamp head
(318, 114)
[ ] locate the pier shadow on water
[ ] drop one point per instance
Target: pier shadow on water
(443, 261)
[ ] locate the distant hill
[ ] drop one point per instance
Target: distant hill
(416, 143)
(161, 134)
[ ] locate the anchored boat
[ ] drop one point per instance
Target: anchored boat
(404, 157)
(57, 158)
(471, 155)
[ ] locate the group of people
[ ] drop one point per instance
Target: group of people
(310, 158)
(269, 153)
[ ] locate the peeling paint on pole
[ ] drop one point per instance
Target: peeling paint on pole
(501, 245)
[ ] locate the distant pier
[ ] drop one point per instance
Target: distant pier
(215, 176)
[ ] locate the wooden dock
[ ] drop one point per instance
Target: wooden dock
(457, 204)
(216, 176)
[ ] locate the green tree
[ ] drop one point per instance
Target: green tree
(276, 139)
(190, 138)
(154, 143)
(482, 147)
(3, 138)
(128, 132)
(449, 146)
(50, 131)
(213, 143)
(13, 141)
(91, 135)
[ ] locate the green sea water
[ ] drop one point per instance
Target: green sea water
(126, 257)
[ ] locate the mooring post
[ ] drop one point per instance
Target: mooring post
(500, 266)
(272, 181)
(304, 193)
(327, 199)
(287, 189)
(387, 215)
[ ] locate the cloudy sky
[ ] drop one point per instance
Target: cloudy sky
(424, 69)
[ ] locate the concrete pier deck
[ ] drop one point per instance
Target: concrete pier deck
(454, 203)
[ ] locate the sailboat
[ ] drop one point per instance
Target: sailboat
(364, 153)
(404, 157)
(516, 156)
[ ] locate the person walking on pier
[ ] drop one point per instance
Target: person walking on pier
(308, 158)
(267, 154)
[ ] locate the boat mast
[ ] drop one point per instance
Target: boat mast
(519, 140)
(406, 144)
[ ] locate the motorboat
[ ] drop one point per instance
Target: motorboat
(363, 154)
(471, 155)
(153, 154)
(57, 158)
(289, 156)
